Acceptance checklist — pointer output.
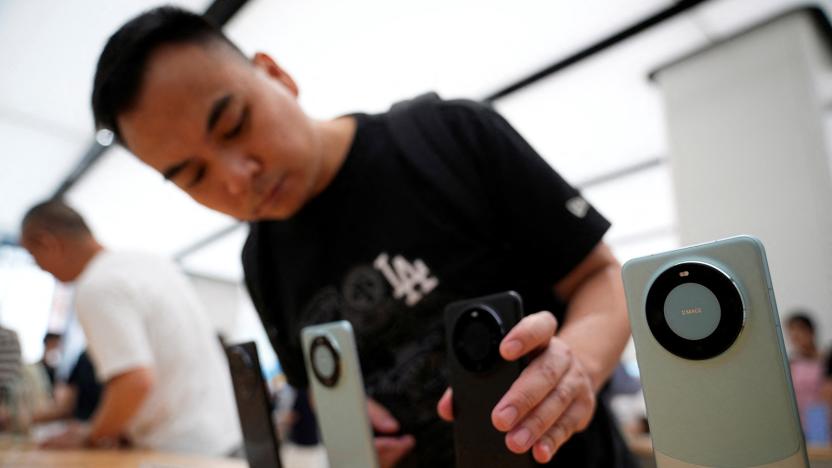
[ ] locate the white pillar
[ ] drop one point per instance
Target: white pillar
(749, 151)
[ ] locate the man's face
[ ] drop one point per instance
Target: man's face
(227, 131)
(47, 251)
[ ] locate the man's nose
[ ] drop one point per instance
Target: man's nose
(240, 172)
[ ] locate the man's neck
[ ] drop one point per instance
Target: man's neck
(336, 138)
(86, 251)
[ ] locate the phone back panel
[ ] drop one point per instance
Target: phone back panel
(341, 410)
(736, 409)
(251, 394)
(475, 394)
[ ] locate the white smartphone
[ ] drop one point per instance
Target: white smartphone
(711, 357)
(338, 396)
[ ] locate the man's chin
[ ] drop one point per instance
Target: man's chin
(275, 214)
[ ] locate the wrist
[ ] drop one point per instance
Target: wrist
(93, 440)
(591, 366)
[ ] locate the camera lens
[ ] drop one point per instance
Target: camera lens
(476, 337)
(326, 361)
(695, 310)
(692, 311)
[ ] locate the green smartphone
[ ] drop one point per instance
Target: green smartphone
(338, 396)
(711, 357)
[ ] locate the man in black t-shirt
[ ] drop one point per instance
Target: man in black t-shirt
(77, 398)
(349, 222)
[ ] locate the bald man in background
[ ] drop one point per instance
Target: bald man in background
(166, 383)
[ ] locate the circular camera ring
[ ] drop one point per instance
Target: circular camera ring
(732, 314)
(476, 338)
(324, 344)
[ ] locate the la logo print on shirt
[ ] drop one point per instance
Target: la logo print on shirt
(410, 281)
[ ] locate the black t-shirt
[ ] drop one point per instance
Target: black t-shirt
(382, 248)
(87, 386)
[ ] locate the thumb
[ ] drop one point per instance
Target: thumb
(445, 406)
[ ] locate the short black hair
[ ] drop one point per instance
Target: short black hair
(118, 76)
(803, 318)
(51, 336)
(56, 217)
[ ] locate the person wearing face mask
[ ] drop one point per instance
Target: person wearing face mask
(51, 355)
(75, 396)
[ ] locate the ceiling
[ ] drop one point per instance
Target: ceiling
(598, 116)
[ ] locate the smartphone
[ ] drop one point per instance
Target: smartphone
(711, 357)
(480, 377)
(338, 396)
(250, 391)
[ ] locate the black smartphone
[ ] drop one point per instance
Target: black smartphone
(253, 407)
(480, 377)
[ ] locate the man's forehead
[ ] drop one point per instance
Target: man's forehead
(187, 71)
(181, 83)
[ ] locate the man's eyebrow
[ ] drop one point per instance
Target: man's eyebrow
(171, 172)
(216, 111)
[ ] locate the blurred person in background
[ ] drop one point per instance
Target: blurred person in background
(807, 374)
(51, 354)
(11, 373)
(75, 398)
(166, 382)
(10, 358)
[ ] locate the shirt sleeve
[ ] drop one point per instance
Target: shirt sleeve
(545, 220)
(110, 315)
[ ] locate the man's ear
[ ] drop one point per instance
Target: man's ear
(45, 240)
(264, 62)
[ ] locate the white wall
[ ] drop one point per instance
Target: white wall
(749, 154)
(234, 317)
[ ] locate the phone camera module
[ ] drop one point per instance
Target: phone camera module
(326, 361)
(695, 310)
(476, 338)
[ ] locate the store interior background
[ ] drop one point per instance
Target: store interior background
(602, 123)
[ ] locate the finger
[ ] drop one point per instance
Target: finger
(391, 449)
(551, 412)
(445, 407)
(539, 379)
(574, 419)
(380, 418)
(531, 333)
(311, 398)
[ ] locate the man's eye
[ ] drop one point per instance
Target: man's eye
(198, 176)
(238, 127)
